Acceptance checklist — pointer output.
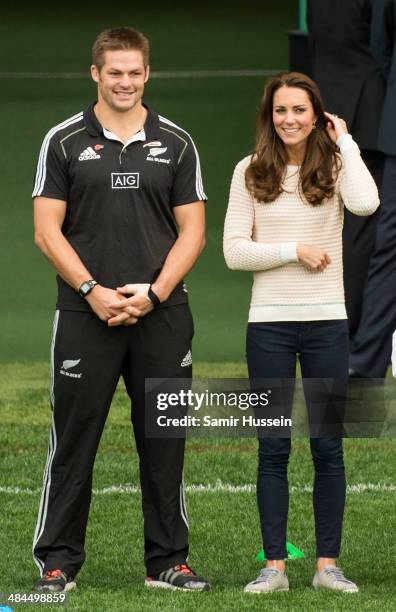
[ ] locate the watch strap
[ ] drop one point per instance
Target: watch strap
(153, 297)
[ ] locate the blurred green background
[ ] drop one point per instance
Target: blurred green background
(219, 112)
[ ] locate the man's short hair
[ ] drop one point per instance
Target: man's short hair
(116, 39)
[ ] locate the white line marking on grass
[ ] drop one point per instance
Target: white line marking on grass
(218, 487)
(159, 74)
(19, 491)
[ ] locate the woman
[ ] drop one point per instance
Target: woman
(284, 223)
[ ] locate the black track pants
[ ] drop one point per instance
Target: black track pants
(88, 359)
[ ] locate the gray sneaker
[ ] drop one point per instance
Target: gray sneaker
(54, 581)
(180, 576)
(269, 580)
(332, 577)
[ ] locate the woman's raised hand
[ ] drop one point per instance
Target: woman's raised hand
(335, 126)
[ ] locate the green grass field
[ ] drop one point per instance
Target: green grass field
(224, 523)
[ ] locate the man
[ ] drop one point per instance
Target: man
(352, 87)
(372, 346)
(112, 185)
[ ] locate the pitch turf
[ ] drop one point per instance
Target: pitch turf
(224, 524)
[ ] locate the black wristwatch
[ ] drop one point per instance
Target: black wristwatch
(153, 297)
(86, 287)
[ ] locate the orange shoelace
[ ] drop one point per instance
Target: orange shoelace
(53, 573)
(182, 567)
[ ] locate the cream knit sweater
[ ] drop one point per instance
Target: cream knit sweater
(262, 238)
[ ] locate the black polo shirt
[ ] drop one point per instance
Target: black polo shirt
(120, 197)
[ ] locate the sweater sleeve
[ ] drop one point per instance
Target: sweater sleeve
(356, 186)
(240, 251)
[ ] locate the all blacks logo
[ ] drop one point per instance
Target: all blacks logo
(125, 180)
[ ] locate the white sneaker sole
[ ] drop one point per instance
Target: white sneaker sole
(70, 586)
(158, 584)
(263, 592)
(328, 588)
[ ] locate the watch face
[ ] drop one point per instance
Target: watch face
(86, 287)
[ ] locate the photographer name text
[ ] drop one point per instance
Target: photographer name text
(232, 421)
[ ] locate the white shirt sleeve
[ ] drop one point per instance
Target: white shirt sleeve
(241, 252)
(356, 186)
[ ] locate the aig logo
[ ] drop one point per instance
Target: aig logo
(125, 180)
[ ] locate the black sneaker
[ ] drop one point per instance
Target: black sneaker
(54, 581)
(179, 577)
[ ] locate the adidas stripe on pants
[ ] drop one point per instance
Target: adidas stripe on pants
(88, 359)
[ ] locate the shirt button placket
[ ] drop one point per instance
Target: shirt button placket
(122, 152)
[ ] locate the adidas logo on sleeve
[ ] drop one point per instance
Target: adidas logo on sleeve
(88, 153)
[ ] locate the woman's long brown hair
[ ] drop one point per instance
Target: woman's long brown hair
(321, 165)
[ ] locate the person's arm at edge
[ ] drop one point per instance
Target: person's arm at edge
(311, 40)
(382, 34)
(49, 214)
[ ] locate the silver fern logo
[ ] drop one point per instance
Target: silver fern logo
(155, 152)
(70, 363)
(67, 365)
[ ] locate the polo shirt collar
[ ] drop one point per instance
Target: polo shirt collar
(141, 135)
(94, 128)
